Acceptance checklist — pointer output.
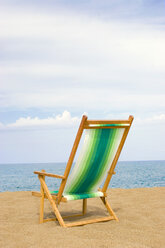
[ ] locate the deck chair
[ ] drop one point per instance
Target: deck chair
(96, 162)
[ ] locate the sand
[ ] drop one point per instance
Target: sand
(141, 214)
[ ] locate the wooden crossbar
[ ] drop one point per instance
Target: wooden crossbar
(48, 174)
(64, 217)
(85, 222)
(103, 127)
(88, 122)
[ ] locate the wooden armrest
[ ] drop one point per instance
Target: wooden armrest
(48, 174)
(38, 194)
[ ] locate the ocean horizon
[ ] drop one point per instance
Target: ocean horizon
(129, 174)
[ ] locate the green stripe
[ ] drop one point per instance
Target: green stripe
(99, 149)
(103, 163)
(97, 165)
(84, 169)
(84, 183)
(99, 145)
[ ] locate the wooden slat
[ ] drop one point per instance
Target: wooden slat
(103, 127)
(107, 122)
(49, 174)
(85, 222)
(64, 217)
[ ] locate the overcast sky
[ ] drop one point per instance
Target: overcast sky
(60, 59)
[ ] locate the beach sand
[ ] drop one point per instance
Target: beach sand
(141, 214)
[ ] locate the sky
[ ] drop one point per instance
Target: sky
(62, 59)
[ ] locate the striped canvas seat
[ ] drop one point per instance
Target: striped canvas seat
(90, 170)
(96, 156)
(79, 196)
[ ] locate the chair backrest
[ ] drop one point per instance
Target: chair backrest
(103, 143)
(95, 158)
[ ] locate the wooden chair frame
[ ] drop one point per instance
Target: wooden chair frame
(56, 199)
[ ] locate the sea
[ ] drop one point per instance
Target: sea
(129, 174)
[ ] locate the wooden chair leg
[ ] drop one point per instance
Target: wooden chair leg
(108, 207)
(55, 209)
(42, 206)
(42, 202)
(84, 206)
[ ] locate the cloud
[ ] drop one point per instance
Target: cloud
(89, 99)
(109, 9)
(71, 60)
(103, 57)
(65, 120)
(59, 121)
(156, 119)
(73, 38)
